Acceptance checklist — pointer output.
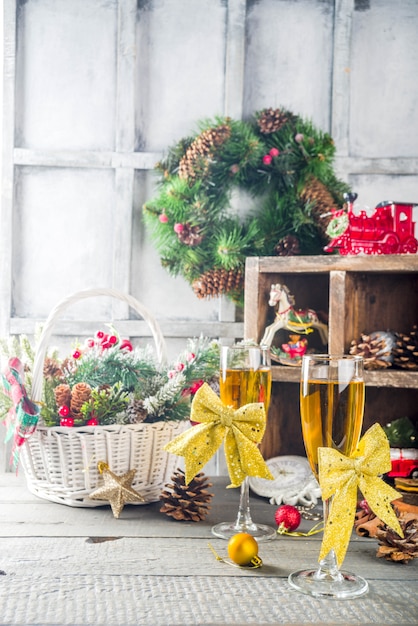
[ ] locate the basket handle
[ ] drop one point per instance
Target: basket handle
(37, 379)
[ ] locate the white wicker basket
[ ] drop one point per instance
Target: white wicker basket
(60, 464)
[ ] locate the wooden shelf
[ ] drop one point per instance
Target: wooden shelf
(355, 295)
(381, 378)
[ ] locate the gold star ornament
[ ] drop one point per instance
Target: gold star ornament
(116, 489)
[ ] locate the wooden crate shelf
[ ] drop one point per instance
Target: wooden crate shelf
(356, 295)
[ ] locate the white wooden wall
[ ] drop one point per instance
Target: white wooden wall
(95, 91)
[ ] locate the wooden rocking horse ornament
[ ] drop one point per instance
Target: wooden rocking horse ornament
(300, 321)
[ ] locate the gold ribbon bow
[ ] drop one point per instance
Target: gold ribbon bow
(341, 476)
(241, 429)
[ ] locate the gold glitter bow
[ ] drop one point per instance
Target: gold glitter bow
(341, 476)
(241, 429)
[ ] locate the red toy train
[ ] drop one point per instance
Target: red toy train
(389, 230)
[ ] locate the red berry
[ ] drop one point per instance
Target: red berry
(125, 344)
(64, 410)
(178, 228)
(274, 152)
(267, 159)
(196, 386)
(67, 421)
(163, 218)
(93, 421)
(287, 517)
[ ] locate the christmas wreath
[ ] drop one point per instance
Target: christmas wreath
(280, 160)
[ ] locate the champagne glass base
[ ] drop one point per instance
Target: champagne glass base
(260, 532)
(343, 586)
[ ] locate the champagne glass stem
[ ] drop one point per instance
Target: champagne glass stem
(244, 522)
(328, 567)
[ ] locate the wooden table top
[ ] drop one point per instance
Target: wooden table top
(78, 566)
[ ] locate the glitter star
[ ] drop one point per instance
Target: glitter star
(116, 489)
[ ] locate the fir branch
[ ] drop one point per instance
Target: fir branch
(106, 404)
(167, 394)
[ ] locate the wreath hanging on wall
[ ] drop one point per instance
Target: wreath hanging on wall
(280, 160)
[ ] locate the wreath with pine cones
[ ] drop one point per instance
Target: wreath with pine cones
(278, 160)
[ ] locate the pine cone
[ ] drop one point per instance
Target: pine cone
(136, 412)
(271, 120)
(62, 395)
(393, 548)
(317, 194)
(189, 503)
(196, 160)
(405, 351)
(375, 349)
(218, 281)
(52, 369)
(80, 394)
(287, 246)
(190, 235)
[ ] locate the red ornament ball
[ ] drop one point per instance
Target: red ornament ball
(287, 517)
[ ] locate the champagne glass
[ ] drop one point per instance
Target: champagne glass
(245, 377)
(331, 407)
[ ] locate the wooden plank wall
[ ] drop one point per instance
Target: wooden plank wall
(94, 92)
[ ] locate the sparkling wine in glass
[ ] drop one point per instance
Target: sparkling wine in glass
(245, 377)
(331, 407)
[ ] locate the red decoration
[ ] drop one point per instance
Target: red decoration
(125, 344)
(296, 347)
(67, 421)
(163, 218)
(389, 230)
(287, 517)
(76, 354)
(93, 421)
(274, 152)
(178, 228)
(64, 411)
(267, 159)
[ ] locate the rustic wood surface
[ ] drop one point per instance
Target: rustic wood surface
(61, 565)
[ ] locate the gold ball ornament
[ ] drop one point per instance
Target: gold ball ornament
(243, 549)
